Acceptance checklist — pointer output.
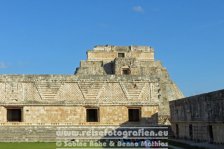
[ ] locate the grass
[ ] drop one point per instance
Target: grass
(30, 145)
(27, 146)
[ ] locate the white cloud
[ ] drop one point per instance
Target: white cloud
(3, 65)
(138, 9)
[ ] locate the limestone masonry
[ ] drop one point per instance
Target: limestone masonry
(199, 118)
(116, 85)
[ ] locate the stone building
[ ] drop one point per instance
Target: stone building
(116, 85)
(199, 118)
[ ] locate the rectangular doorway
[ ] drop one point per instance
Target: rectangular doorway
(191, 131)
(14, 114)
(210, 132)
(92, 115)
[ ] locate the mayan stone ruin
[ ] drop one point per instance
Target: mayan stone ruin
(199, 118)
(116, 85)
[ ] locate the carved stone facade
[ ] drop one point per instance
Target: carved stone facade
(112, 80)
(200, 117)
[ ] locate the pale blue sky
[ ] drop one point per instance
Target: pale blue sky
(52, 36)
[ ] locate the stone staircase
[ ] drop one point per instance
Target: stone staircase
(90, 90)
(48, 90)
(44, 133)
(49, 133)
(27, 134)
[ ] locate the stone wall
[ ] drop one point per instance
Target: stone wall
(40, 123)
(76, 115)
(109, 53)
(104, 60)
(58, 89)
(201, 115)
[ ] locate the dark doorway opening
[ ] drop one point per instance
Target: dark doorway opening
(210, 131)
(126, 71)
(14, 115)
(177, 130)
(121, 55)
(92, 115)
(134, 115)
(190, 131)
